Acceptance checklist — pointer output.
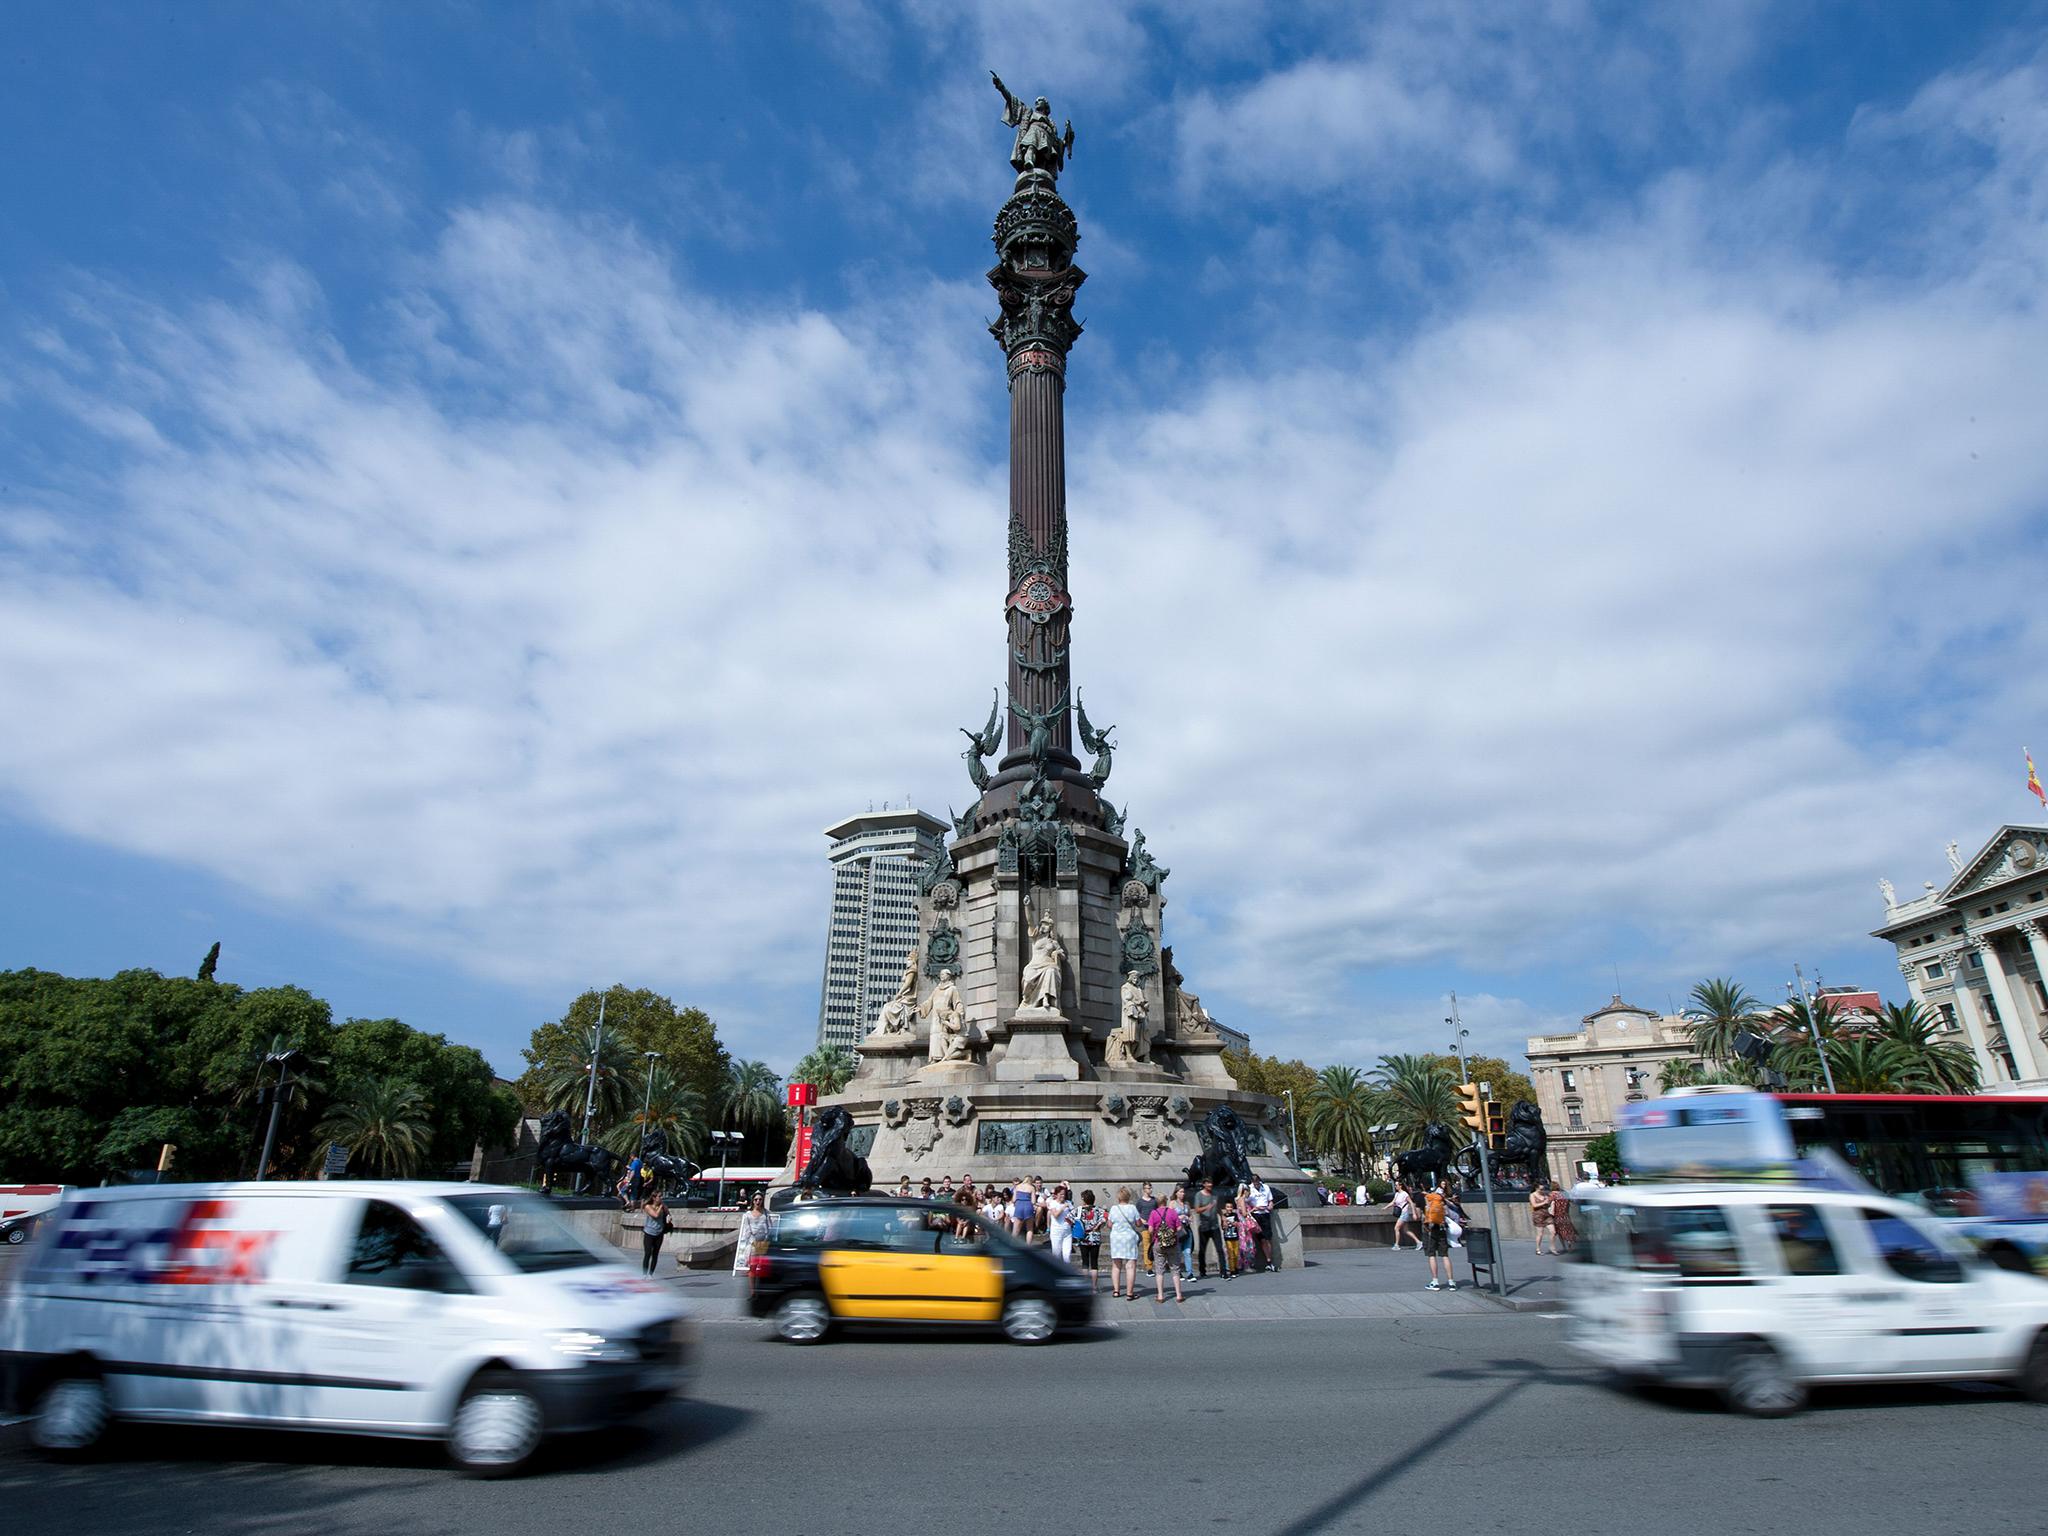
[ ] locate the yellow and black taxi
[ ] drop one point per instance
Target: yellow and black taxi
(871, 1259)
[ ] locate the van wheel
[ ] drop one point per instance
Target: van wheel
(1759, 1385)
(1029, 1320)
(497, 1426)
(2034, 1374)
(802, 1319)
(71, 1417)
(17, 1234)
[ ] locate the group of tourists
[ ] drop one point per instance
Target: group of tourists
(1171, 1235)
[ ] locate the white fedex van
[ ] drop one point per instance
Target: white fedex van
(453, 1311)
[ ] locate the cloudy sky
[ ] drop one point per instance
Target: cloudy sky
(1557, 489)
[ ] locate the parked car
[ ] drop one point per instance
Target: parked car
(16, 1230)
(894, 1260)
(445, 1311)
(1764, 1290)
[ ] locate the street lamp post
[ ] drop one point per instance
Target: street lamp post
(1293, 1142)
(725, 1139)
(647, 1098)
(1500, 1272)
(596, 1049)
(284, 1060)
(1820, 1048)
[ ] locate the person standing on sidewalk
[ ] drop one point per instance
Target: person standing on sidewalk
(1147, 1203)
(1436, 1239)
(1539, 1216)
(1125, 1225)
(1167, 1237)
(653, 1228)
(1267, 1246)
(1208, 1230)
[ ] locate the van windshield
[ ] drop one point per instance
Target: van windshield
(527, 1234)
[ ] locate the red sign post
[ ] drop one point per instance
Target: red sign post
(801, 1097)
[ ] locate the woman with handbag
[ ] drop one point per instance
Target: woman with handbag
(753, 1235)
(1125, 1239)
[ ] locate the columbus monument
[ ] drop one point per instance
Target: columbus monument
(1041, 1026)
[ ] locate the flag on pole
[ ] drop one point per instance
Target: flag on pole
(2034, 780)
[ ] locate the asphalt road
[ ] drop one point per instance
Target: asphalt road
(1430, 1425)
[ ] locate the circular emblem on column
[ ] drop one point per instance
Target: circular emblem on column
(1039, 597)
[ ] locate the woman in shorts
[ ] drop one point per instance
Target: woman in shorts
(1089, 1221)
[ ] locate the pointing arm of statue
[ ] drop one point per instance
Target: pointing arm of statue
(1013, 109)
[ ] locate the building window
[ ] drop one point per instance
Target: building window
(1936, 970)
(1574, 1118)
(1635, 1081)
(1976, 961)
(1948, 1015)
(1569, 1078)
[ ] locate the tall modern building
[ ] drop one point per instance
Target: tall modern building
(875, 858)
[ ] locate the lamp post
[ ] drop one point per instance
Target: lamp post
(647, 1098)
(725, 1139)
(596, 1048)
(1293, 1142)
(1820, 1048)
(1500, 1273)
(284, 1060)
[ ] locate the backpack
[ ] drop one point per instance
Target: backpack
(1434, 1204)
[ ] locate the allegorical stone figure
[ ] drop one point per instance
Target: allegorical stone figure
(897, 1013)
(1037, 148)
(1131, 1042)
(1042, 970)
(949, 1020)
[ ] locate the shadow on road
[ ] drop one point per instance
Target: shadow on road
(151, 1478)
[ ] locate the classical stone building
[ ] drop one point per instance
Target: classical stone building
(1973, 952)
(875, 857)
(1583, 1078)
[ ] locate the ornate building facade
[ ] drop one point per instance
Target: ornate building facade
(1583, 1078)
(1974, 953)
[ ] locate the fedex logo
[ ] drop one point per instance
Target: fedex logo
(193, 1250)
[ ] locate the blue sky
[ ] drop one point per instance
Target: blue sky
(1556, 488)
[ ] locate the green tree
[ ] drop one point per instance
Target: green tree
(454, 1081)
(1679, 1072)
(1925, 1063)
(1507, 1086)
(667, 1104)
(1411, 1090)
(642, 1021)
(1604, 1149)
(386, 1124)
(831, 1067)
(1339, 1113)
(606, 1089)
(752, 1101)
(1270, 1075)
(1805, 1029)
(1717, 1010)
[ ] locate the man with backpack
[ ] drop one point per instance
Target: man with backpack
(1436, 1238)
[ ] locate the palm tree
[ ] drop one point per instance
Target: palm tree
(672, 1106)
(1718, 1009)
(1410, 1091)
(618, 1081)
(384, 1123)
(1340, 1114)
(831, 1067)
(1925, 1063)
(1807, 1030)
(752, 1099)
(1678, 1073)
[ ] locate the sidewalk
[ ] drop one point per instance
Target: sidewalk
(1339, 1283)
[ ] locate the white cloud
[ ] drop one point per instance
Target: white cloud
(545, 635)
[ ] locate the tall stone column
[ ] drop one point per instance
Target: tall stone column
(2019, 1027)
(1035, 280)
(1973, 1023)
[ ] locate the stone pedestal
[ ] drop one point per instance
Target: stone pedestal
(1034, 1049)
(889, 1059)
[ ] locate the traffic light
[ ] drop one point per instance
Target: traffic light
(1471, 1108)
(1496, 1125)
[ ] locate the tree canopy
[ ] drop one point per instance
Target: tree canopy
(638, 1020)
(97, 1073)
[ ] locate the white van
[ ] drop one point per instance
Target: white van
(453, 1311)
(1762, 1290)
